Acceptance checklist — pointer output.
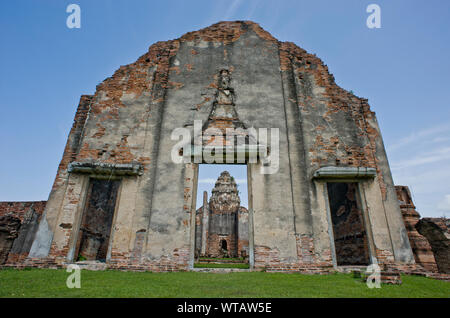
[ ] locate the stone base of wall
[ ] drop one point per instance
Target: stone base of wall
(115, 265)
(51, 263)
(390, 273)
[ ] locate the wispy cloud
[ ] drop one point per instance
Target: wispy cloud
(421, 136)
(426, 158)
(444, 205)
(232, 9)
(421, 160)
(254, 6)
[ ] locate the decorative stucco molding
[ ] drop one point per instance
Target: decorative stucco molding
(344, 172)
(117, 169)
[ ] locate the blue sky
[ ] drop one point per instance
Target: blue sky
(402, 68)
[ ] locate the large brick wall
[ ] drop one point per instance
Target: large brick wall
(271, 84)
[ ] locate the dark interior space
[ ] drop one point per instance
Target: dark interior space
(97, 219)
(350, 237)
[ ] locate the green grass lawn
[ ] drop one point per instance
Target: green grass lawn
(52, 283)
(222, 258)
(225, 265)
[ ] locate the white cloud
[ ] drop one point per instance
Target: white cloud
(418, 136)
(427, 158)
(253, 8)
(232, 9)
(421, 161)
(444, 205)
(440, 139)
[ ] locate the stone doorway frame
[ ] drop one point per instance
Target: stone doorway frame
(75, 237)
(362, 203)
(191, 170)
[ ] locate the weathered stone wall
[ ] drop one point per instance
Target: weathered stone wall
(437, 232)
(337, 129)
(421, 248)
(243, 232)
(9, 230)
(130, 119)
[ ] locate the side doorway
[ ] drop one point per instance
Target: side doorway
(96, 221)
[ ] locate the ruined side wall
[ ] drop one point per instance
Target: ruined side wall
(338, 129)
(110, 127)
(421, 248)
(437, 232)
(18, 225)
(243, 232)
(255, 77)
(47, 226)
(132, 115)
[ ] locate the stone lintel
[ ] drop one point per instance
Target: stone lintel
(116, 169)
(245, 150)
(344, 173)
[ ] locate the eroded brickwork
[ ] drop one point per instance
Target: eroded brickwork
(423, 253)
(229, 75)
(18, 226)
(437, 232)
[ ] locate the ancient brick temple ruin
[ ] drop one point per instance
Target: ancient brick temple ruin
(429, 237)
(222, 224)
(320, 199)
(19, 222)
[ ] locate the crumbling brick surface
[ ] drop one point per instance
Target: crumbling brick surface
(20, 209)
(437, 232)
(73, 142)
(352, 144)
(9, 230)
(18, 225)
(423, 253)
(129, 116)
(149, 75)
